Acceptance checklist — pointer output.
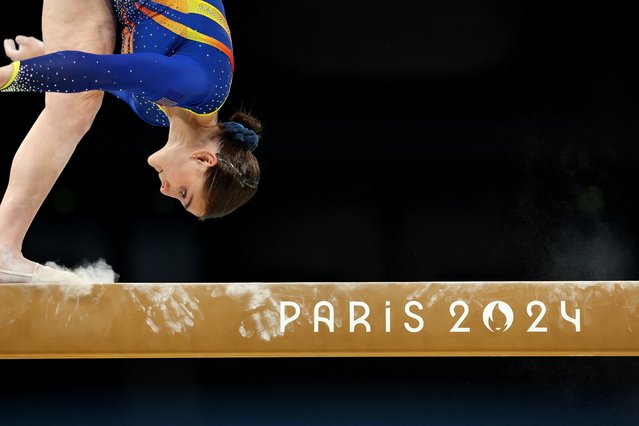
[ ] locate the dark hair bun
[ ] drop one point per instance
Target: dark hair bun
(248, 121)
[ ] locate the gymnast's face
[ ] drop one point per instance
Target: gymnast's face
(182, 174)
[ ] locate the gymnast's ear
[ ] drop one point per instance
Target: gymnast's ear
(205, 158)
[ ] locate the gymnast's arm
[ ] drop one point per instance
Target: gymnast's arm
(176, 78)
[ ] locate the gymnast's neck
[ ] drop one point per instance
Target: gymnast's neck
(201, 120)
(188, 128)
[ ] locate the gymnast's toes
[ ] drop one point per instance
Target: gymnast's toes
(15, 268)
(45, 274)
(26, 48)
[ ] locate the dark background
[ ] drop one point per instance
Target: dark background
(405, 141)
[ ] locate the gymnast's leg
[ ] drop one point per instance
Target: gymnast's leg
(85, 25)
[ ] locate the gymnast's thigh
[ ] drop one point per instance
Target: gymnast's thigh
(84, 25)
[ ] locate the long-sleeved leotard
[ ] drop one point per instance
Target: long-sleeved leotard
(175, 53)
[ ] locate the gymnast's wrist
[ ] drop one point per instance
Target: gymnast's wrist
(8, 74)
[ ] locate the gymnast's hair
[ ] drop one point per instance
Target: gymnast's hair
(234, 179)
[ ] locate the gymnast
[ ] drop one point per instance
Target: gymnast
(175, 70)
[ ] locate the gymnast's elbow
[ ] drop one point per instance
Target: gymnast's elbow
(191, 85)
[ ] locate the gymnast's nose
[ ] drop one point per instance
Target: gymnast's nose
(164, 188)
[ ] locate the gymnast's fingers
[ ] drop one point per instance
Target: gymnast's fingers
(28, 41)
(10, 49)
(24, 47)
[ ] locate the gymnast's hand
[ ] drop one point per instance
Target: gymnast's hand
(23, 48)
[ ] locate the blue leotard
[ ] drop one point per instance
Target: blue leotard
(174, 53)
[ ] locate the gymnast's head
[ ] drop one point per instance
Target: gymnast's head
(211, 170)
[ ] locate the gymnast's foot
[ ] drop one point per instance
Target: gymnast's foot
(26, 48)
(15, 268)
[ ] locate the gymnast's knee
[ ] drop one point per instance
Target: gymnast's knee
(76, 111)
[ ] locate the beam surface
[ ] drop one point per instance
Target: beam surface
(319, 319)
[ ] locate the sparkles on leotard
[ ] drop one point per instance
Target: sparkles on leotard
(174, 53)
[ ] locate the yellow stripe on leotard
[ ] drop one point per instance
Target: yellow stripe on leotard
(198, 7)
(201, 114)
(186, 32)
(14, 74)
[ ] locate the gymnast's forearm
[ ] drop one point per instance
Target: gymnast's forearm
(150, 75)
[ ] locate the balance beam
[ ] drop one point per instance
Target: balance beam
(319, 319)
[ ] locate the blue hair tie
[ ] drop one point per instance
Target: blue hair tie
(242, 134)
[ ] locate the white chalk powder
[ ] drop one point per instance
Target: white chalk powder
(167, 306)
(98, 272)
(262, 308)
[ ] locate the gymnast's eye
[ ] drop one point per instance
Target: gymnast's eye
(183, 193)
